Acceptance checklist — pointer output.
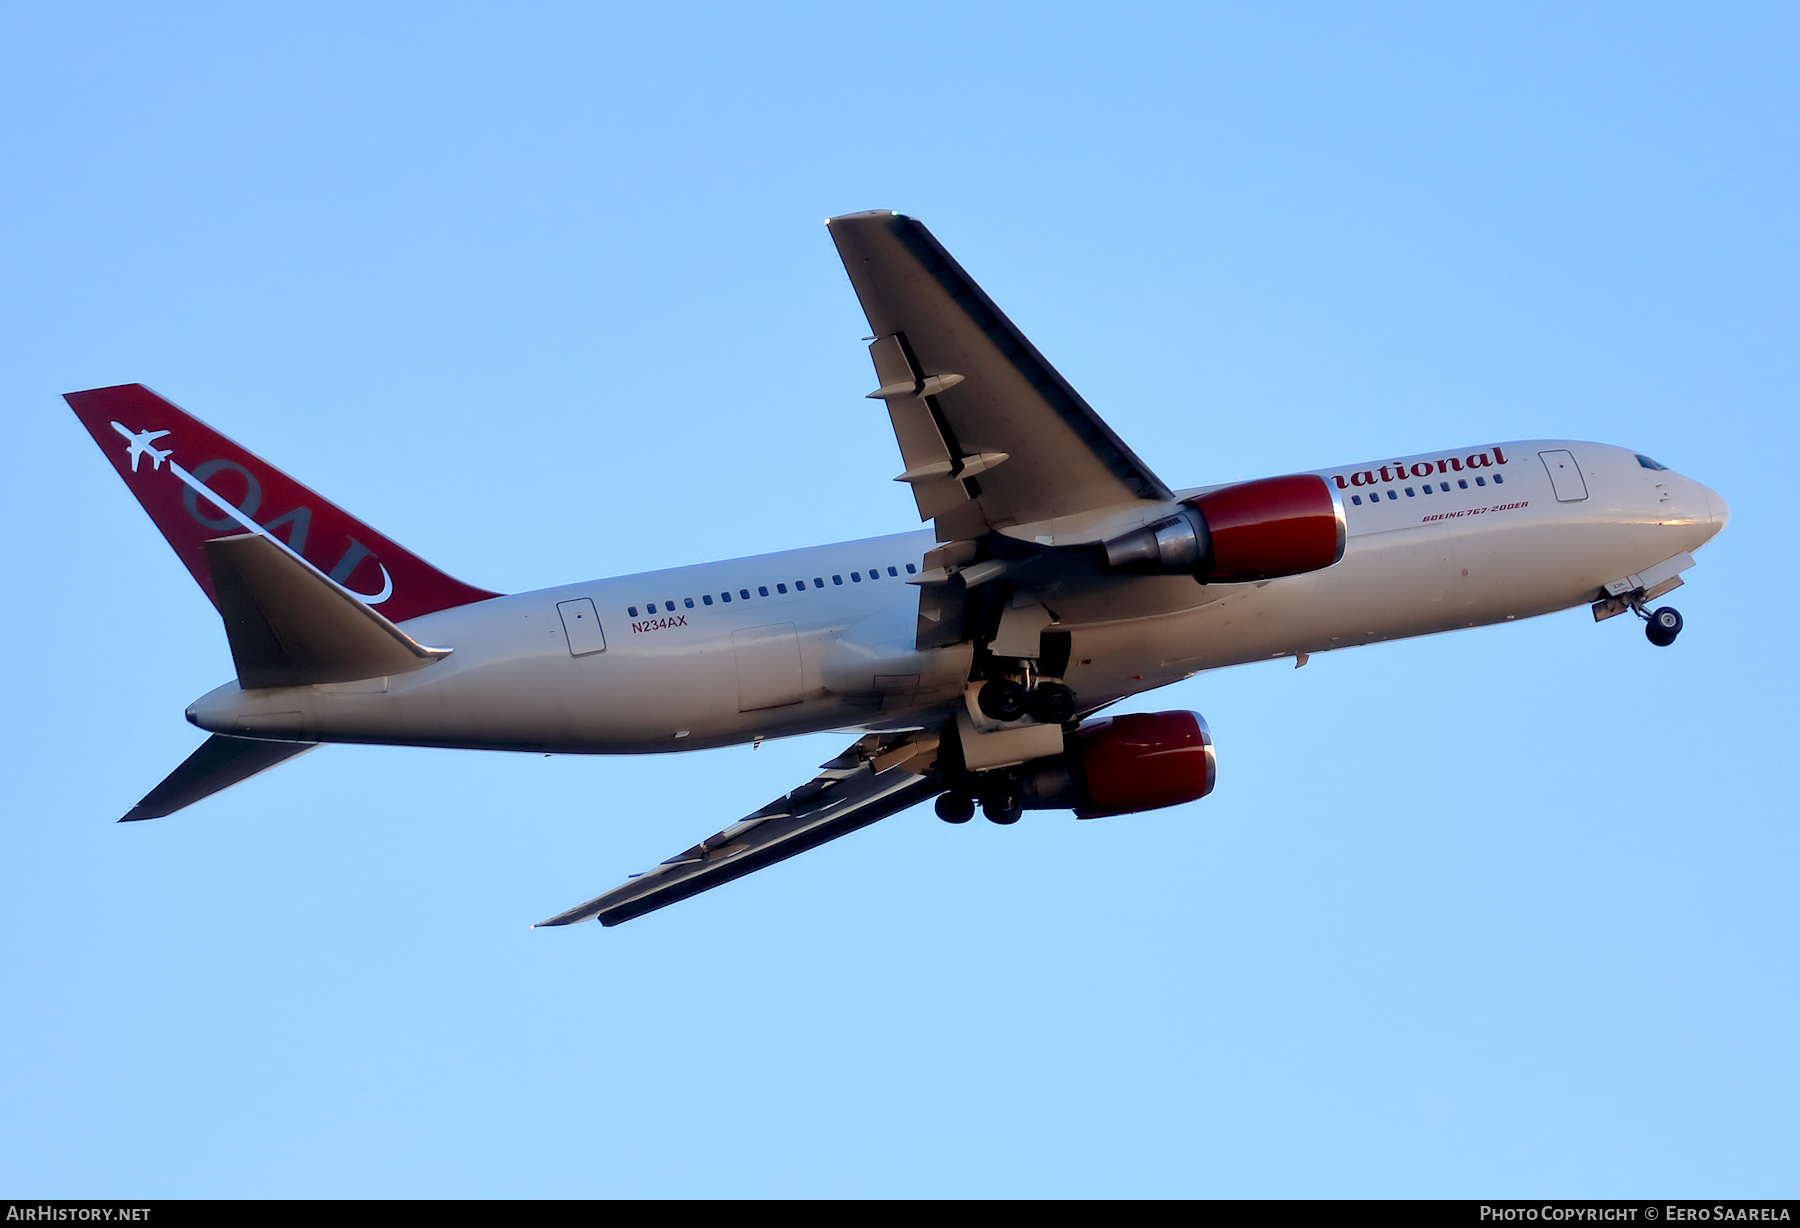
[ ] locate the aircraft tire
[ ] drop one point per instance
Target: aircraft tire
(1002, 810)
(1052, 703)
(1664, 625)
(955, 807)
(1002, 699)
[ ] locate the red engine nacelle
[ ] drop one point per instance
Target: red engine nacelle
(1273, 527)
(1123, 764)
(1142, 761)
(1252, 531)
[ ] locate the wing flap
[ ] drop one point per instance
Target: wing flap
(849, 794)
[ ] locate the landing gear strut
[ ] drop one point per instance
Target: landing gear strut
(1661, 625)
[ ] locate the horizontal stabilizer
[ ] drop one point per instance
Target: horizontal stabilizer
(841, 800)
(219, 763)
(290, 625)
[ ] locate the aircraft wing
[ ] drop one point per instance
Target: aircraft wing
(991, 435)
(867, 783)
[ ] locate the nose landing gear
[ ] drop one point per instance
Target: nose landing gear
(1661, 627)
(1636, 592)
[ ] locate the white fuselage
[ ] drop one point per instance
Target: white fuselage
(825, 638)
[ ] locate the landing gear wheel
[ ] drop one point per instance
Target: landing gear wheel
(1051, 703)
(955, 807)
(1002, 699)
(1002, 810)
(1663, 627)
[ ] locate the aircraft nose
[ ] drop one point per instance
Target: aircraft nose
(1715, 503)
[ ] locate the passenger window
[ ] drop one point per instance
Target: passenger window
(706, 598)
(745, 593)
(1444, 486)
(1393, 495)
(725, 597)
(631, 610)
(819, 581)
(1409, 492)
(837, 579)
(1462, 483)
(1481, 481)
(688, 602)
(781, 588)
(1499, 478)
(910, 569)
(856, 576)
(892, 572)
(1356, 499)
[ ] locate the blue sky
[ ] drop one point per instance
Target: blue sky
(545, 295)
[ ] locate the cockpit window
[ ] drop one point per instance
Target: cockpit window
(1647, 463)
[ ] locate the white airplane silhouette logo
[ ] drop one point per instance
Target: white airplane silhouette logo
(140, 446)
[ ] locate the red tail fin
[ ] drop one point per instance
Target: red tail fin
(197, 485)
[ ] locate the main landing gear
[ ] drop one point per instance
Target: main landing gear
(1005, 697)
(1047, 703)
(1002, 808)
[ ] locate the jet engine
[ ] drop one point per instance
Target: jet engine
(1120, 765)
(1251, 531)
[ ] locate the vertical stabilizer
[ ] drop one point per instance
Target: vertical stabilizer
(197, 485)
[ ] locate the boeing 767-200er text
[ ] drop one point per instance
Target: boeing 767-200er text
(1059, 576)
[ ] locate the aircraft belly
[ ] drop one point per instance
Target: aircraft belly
(1389, 585)
(512, 683)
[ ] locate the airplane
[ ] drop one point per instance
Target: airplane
(972, 660)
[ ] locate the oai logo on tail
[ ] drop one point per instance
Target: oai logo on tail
(140, 442)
